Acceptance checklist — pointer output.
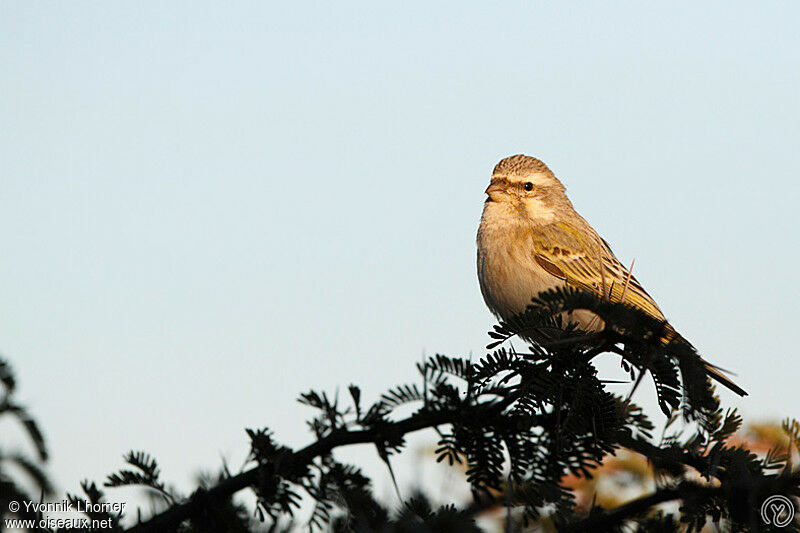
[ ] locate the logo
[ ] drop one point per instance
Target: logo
(777, 511)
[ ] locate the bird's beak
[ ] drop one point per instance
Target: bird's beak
(496, 189)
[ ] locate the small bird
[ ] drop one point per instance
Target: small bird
(531, 240)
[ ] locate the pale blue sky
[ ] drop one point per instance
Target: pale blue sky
(206, 209)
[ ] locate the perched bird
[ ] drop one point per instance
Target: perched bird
(531, 239)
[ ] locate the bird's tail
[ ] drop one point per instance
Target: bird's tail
(716, 374)
(712, 371)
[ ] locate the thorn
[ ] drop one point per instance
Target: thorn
(385, 457)
(635, 386)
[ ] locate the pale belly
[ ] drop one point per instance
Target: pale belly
(509, 283)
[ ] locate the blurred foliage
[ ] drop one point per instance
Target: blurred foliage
(22, 477)
(626, 476)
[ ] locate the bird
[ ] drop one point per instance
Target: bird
(531, 239)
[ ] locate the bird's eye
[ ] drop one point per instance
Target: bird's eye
(528, 186)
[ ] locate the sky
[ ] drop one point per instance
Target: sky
(208, 208)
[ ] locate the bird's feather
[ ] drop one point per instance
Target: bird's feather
(583, 261)
(586, 262)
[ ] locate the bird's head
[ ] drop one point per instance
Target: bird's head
(525, 185)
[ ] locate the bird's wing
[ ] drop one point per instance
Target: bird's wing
(575, 256)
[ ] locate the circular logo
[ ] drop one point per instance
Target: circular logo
(777, 511)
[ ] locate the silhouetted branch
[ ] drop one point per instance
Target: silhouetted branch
(604, 520)
(339, 438)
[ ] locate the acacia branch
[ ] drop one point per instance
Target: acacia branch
(674, 461)
(173, 516)
(687, 490)
(604, 520)
(176, 514)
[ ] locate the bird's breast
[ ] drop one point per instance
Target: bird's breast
(508, 274)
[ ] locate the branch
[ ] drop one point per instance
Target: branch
(603, 521)
(173, 516)
(666, 458)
